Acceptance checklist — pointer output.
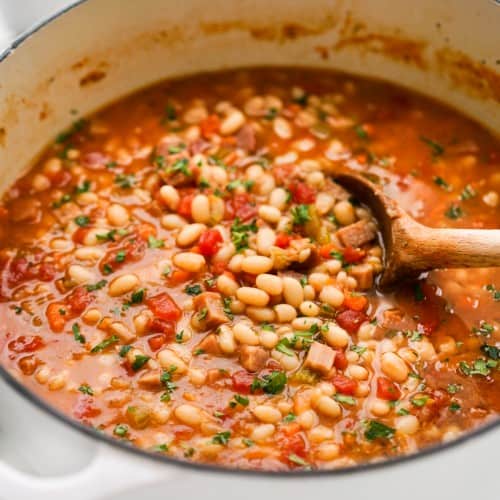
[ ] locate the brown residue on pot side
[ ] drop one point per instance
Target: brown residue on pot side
(3, 136)
(475, 76)
(355, 33)
(277, 31)
(92, 77)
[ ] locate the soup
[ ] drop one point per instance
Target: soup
(179, 271)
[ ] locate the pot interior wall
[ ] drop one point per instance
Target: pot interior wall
(104, 49)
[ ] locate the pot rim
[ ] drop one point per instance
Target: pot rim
(36, 400)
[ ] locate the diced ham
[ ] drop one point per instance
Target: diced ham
(245, 138)
(395, 319)
(209, 311)
(253, 358)
(357, 234)
(320, 358)
(209, 345)
(363, 274)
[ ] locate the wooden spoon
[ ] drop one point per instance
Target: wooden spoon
(410, 248)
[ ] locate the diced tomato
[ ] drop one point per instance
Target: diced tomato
(132, 250)
(355, 302)
(164, 307)
(79, 299)
(326, 250)
(144, 231)
(239, 206)
(184, 208)
(26, 343)
(56, 319)
(242, 381)
(218, 268)
(161, 326)
(79, 235)
(290, 441)
(210, 242)
(178, 276)
(157, 341)
(84, 407)
(340, 361)
(302, 193)
(351, 320)
(344, 384)
(46, 271)
(353, 255)
(210, 126)
(283, 240)
(387, 389)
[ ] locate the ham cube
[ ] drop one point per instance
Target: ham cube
(357, 234)
(320, 358)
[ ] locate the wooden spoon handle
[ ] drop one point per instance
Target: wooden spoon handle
(435, 248)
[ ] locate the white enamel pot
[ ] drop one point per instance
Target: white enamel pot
(99, 50)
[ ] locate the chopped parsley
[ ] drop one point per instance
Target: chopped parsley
(120, 430)
(138, 296)
(247, 442)
(377, 430)
(300, 214)
(454, 407)
(166, 380)
(491, 351)
(105, 344)
(97, 286)
(83, 188)
(238, 399)
(454, 212)
(226, 301)
(420, 401)
(291, 417)
(65, 198)
(221, 438)
(479, 367)
(342, 398)
(495, 292)
(274, 383)
(284, 346)
(125, 181)
(139, 361)
(484, 329)
(361, 132)
(402, 411)
(82, 220)
(298, 460)
(170, 113)
(77, 334)
(453, 388)
(155, 243)
(160, 448)
(239, 183)
(271, 113)
(413, 335)
(199, 352)
(179, 337)
(124, 350)
(418, 293)
(436, 148)
(86, 389)
(180, 165)
(467, 193)
(121, 256)
(241, 232)
(77, 126)
(193, 290)
(439, 181)
(202, 314)
(359, 350)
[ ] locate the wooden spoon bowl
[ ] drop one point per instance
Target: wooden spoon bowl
(410, 248)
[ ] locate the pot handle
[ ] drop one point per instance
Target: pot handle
(109, 472)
